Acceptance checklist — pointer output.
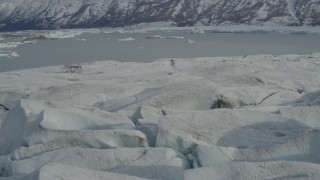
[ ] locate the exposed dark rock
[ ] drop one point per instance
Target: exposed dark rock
(4, 108)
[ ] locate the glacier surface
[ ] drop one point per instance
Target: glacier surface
(248, 117)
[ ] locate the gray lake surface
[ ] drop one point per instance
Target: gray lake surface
(103, 46)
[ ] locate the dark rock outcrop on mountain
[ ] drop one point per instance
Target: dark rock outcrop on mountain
(55, 14)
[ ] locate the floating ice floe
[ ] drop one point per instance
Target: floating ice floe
(156, 37)
(9, 54)
(9, 45)
(62, 34)
(190, 41)
(164, 37)
(175, 37)
(126, 39)
(80, 39)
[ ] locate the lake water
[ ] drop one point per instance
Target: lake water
(102, 46)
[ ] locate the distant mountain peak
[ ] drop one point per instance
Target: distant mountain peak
(56, 14)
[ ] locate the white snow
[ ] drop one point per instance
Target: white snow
(249, 117)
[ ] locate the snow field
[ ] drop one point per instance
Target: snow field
(253, 117)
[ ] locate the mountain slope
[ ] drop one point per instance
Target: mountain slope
(53, 14)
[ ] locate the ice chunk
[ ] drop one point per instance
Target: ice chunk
(128, 161)
(183, 97)
(62, 116)
(155, 37)
(228, 128)
(126, 39)
(10, 45)
(175, 37)
(64, 172)
(47, 140)
(147, 115)
(309, 99)
(5, 167)
(262, 170)
(9, 54)
(11, 98)
(307, 115)
(304, 147)
(80, 39)
(27, 123)
(12, 124)
(190, 41)
(146, 118)
(53, 171)
(62, 34)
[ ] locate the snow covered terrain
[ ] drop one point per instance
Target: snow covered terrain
(56, 14)
(248, 117)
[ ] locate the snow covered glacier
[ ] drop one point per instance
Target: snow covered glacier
(253, 117)
(55, 14)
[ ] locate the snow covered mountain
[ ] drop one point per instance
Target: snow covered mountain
(53, 14)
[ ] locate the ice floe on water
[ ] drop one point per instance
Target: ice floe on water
(62, 34)
(248, 117)
(28, 37)
(164, 37)
(190, 41)
(175, 37)
(156, 37)
(8, 45)
(126, 39)
(8, 54)
(80, 39)
(166, 27)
